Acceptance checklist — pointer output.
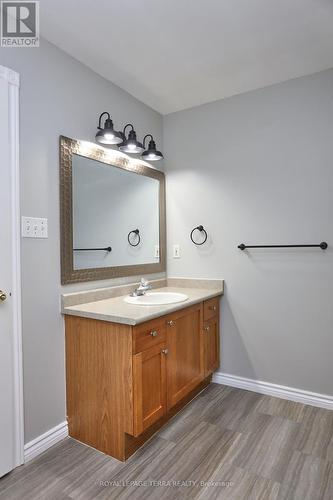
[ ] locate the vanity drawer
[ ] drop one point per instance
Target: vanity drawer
(148, 335)
(211, 308)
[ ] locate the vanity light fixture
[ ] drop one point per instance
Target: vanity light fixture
(151, 154)
(106, 134)
(131, 144)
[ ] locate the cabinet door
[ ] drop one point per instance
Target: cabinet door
(212, 345)
(149, 387)
(185, 368)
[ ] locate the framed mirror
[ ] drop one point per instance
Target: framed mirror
(112, 214)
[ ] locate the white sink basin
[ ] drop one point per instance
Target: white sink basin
(156, 298)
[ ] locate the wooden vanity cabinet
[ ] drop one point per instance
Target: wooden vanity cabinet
(211, 330)
(124, 382)
(149, 387)
(211, 345)
(185, 363)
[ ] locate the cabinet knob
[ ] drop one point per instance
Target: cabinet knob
(154, 333)
(165, 351)
(171, 323)
(212, 308)
(206, 328)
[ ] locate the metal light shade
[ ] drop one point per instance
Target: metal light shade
(107, 135)
(151, 154)
(131, 144)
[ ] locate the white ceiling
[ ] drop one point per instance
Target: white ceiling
(175, 54)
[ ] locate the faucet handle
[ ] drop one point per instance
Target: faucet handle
(144, 284)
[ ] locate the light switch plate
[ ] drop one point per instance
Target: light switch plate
(176, 251)
(34, 227)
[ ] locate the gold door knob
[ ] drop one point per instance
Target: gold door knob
(3, 296)
(153, 333)
(171, 323)
(165, 351)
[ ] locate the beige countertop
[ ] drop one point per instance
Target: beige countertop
(116, 310)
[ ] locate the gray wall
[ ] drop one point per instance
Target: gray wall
(58, 96)
(258, 168)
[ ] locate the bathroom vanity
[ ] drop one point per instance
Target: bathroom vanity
(130, 368)
(131, 362)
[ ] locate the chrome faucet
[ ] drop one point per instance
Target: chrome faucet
(142, 288)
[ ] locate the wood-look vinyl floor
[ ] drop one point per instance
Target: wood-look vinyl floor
(227, 444)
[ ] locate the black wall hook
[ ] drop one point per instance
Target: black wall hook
(202, 230)
(137, 233)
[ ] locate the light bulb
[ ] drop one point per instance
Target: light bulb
(108, 136)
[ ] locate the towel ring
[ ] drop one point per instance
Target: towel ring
(202, 230)
(137, 233)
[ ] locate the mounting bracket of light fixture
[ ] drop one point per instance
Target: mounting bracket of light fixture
(108, 136)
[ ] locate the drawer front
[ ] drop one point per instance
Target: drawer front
(211, 308)
(148, 335)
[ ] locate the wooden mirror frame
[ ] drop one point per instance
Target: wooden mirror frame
(111, 157)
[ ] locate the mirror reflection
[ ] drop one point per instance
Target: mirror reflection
(115, 216)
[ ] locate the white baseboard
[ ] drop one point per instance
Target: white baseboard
(45, 441)
(278, 391)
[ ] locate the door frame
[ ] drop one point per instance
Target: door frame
(13, 80)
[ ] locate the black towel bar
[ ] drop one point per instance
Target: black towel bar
(106, 249)
(323, 245)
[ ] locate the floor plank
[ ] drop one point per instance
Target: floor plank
(316, 433)
(281, 408)
(267, 450)
(307, 478)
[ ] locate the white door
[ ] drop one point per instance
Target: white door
(10, 339)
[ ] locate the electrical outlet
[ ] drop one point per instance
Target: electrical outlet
(157, 252)
(176, 251)
(34, 227)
